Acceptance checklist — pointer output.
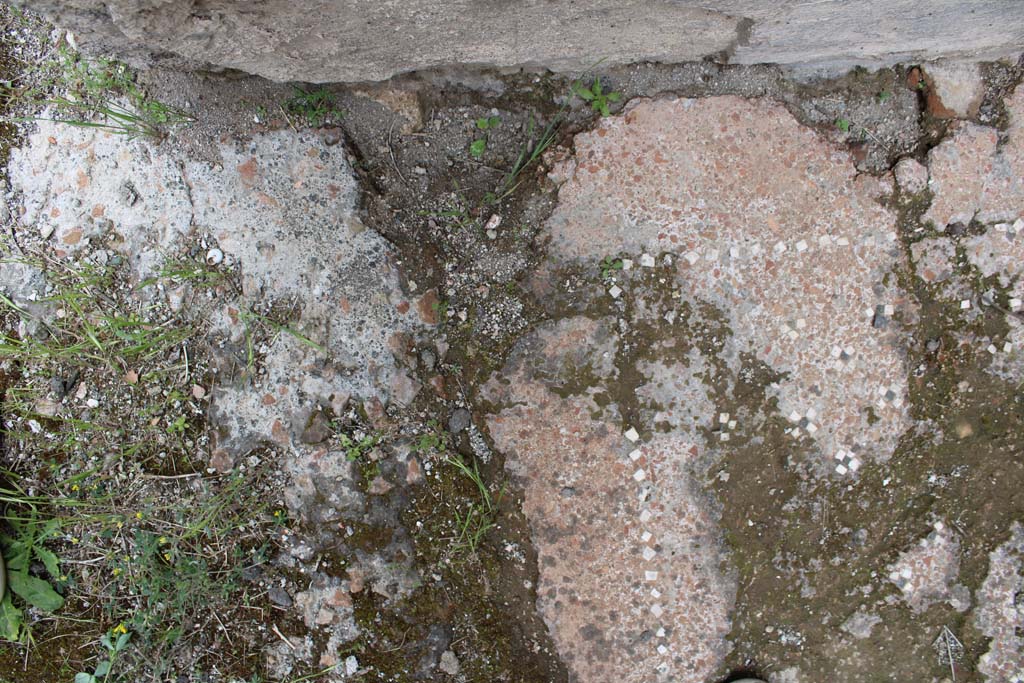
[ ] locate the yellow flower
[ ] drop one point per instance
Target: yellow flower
(74, 541)
(167, 556)
(120, 525)
(138, 515)
(74, 487)
(162, 540)
(117, 571)
(120, 628)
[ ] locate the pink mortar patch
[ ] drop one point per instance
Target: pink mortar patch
(771, 224)
(974, 177)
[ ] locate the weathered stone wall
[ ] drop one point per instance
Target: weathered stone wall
(367, 40)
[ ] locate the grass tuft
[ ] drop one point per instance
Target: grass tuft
(89, 93)
(110, 525)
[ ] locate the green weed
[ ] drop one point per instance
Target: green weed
(473, 524)
(105, 668)
(93, 93)
(533, 148)
(277, 327)
(440, 309)
(460, 215)
(609, 265)
(89, 327)
(20, 548)
(596, 96)
(480, 516)
(182, 561)
(113, 117)
(314, 107)
(194, 272)
(430, 441)
(531, 151)
(159, 555)
(485, 124)
(355, 449)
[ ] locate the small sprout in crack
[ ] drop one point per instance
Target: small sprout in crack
(596, 96)
(315, 107)
(355, 449)
(609, 265)
(486, 123)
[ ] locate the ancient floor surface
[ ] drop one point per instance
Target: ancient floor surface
(764, 437)
(728, 212)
